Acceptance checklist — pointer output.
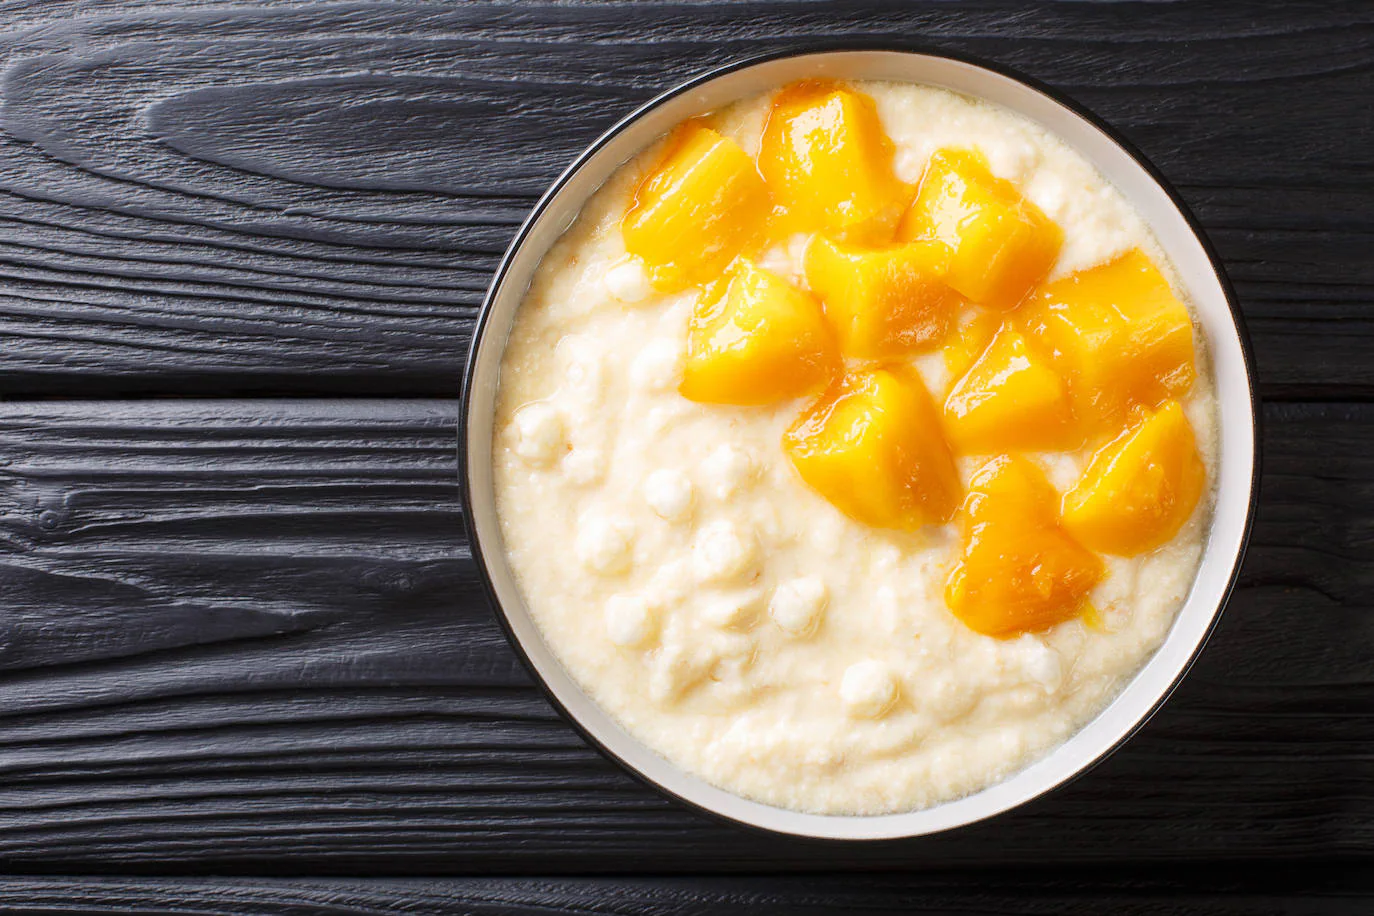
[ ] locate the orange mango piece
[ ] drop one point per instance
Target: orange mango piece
(872, 445)
(970, 340)
(700, 207)
(828, 163)
(882, 301)
(759, 340)
(1020, 571)
(1002, 244)
(1118, 334)
(1010, 399)
(1140, 489)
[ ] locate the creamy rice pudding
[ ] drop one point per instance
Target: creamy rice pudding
(852, 448)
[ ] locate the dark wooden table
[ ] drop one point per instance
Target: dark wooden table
(247, 666)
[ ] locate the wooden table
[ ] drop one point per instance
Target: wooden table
(247, 665)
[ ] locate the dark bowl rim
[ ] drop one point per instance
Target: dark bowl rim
(810, 49)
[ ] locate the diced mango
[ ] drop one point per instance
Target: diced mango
(828, 164)
(872, 445)
(1020, 571)
(1002, 244)
(882, 301)
(1118, 334)
(966, 344)
(1011, 398)
(758, 341)
(700, 207)
(1139, 490)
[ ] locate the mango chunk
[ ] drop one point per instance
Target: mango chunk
(1118, 334)
(1020, 571)
(759, 340)
(967, 343)
(1139, 490)
(700, 207)
(882, 301)
(872, 445)
(1010, 399)
(1002, 244)
(828, 164)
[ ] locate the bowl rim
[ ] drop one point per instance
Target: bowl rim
(848, 45)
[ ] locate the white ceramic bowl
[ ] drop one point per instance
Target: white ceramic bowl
(1197, 270)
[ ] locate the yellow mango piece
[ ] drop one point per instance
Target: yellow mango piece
(758, 341)
(700, 207)
(1139, 490)
(1118, 334)
(1010, 399)
(882, 301)
(1002, 244)
(1020, 571)
(828, 164)
(872, 446)
(970, 340)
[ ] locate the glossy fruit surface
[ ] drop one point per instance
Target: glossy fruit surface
(968, 341)
(1118, 334)
(883, 301)
(1020, 571)
(700, 207)
(1010, 399)
(758, 340)
(828, 164)
(1001, 244)
(873, 446)
(1140, 489)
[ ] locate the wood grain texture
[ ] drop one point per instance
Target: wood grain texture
(1322, 891)
(246, 636)
(217, 198)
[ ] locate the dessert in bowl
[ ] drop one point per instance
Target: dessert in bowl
(856, 446)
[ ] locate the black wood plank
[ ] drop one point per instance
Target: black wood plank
(246, 637)
(211, 198)
(1320, 891)
(211, 526)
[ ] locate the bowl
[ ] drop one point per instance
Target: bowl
(1198, 272)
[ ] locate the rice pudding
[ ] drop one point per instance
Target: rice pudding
(852, 448)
